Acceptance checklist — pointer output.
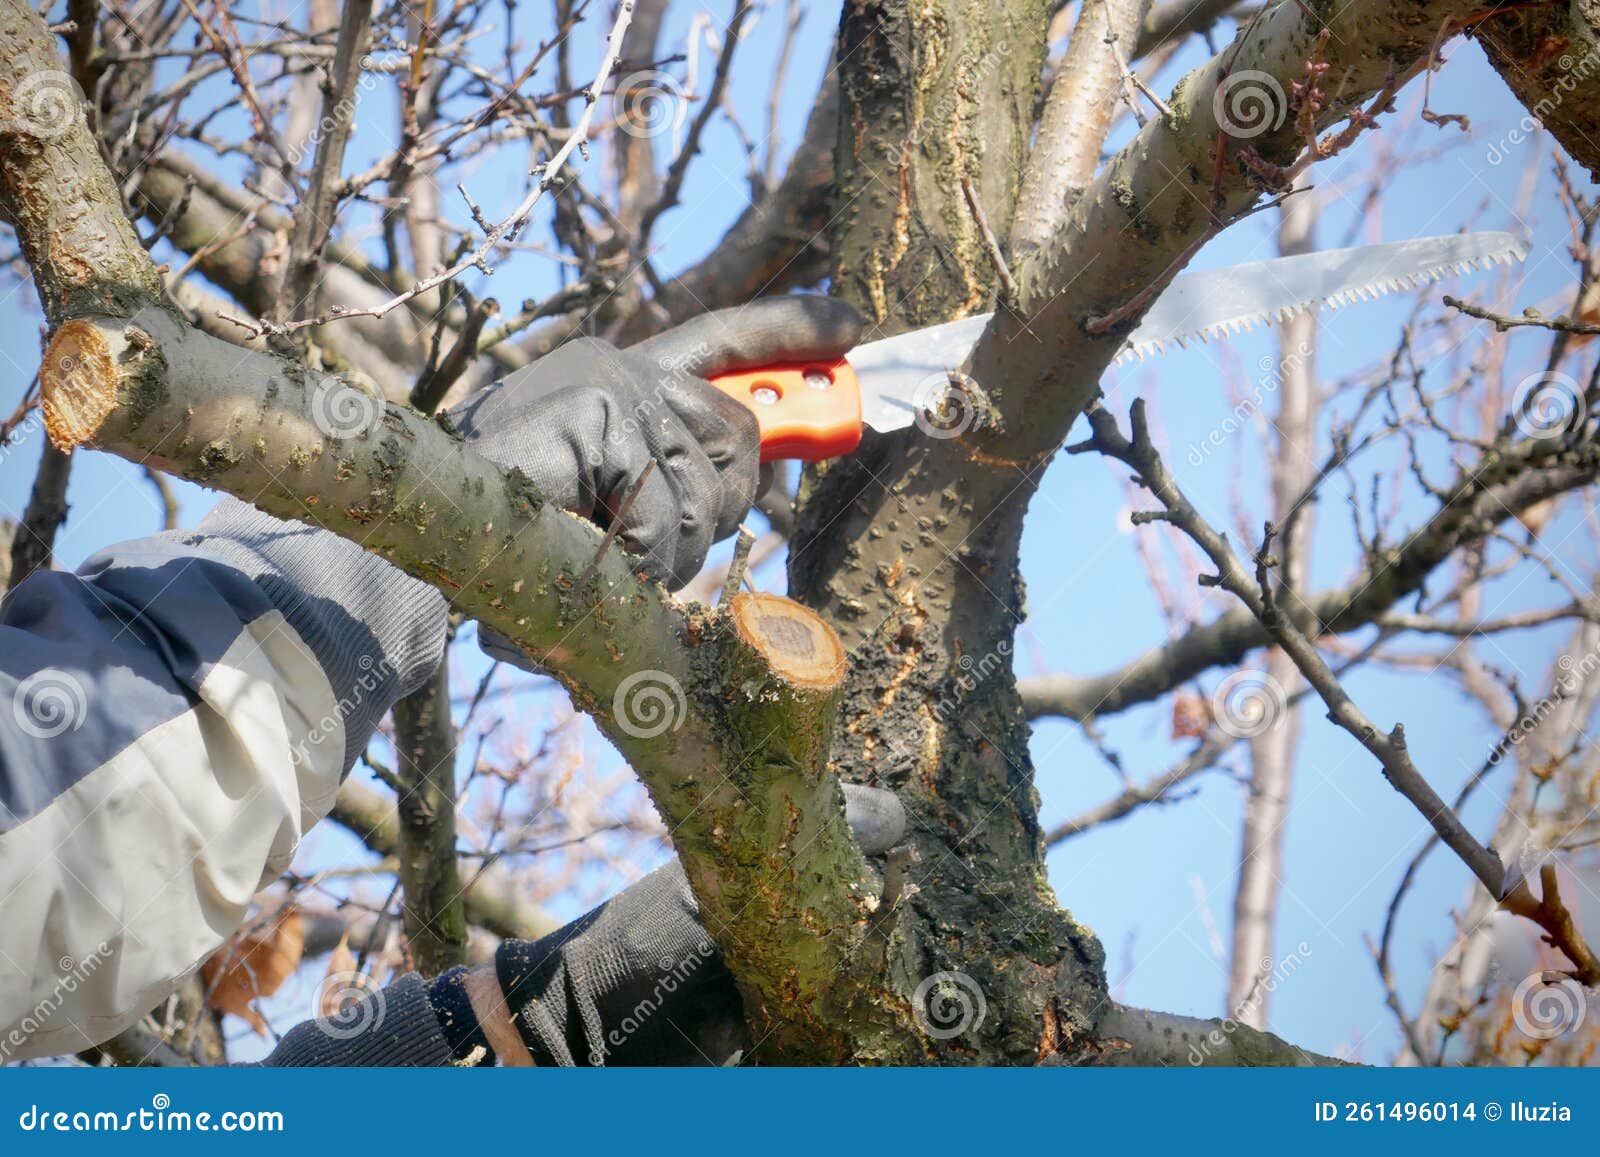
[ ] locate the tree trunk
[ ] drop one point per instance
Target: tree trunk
(910, 548)
(1272, 751)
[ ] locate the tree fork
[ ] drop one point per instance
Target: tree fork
(741, 779)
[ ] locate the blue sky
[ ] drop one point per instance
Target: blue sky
(1158, 886)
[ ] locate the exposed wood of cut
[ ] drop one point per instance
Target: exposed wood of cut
(800, 647)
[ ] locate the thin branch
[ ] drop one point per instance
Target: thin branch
(547, 176)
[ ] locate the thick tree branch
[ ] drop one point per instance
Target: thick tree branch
(1549, 55)
(738, 769)
(1168, 1040)
(1182, 178)
(1076, 118)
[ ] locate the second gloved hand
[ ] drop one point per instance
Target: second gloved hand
(584, 422)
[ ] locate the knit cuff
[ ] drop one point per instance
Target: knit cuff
(377, 632)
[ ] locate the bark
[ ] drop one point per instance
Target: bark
(910, 546)
(1139, 1037)
(1549, 55)
(425, 740)
(314, 213)
(34, 539)
(1076, 118)
(56, 192)
(903, 549)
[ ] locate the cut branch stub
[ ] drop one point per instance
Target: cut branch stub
(77, 378)
(798, 646)
(784, 669)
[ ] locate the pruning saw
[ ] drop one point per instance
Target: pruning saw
(815, 411)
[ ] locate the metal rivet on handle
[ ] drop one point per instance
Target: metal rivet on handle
(818, 379)
(765, 393)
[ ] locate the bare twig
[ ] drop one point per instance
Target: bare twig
(548, 176)
(1530, 317)
(737, 567)
(991, 246)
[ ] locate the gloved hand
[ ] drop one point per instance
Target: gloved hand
(584, 421)
(637, 980)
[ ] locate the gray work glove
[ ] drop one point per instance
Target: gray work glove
(637, 981)
(584, 421)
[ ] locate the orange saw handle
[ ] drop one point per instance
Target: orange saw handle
(806, 410)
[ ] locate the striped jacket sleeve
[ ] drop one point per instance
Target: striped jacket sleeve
(173, 717)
